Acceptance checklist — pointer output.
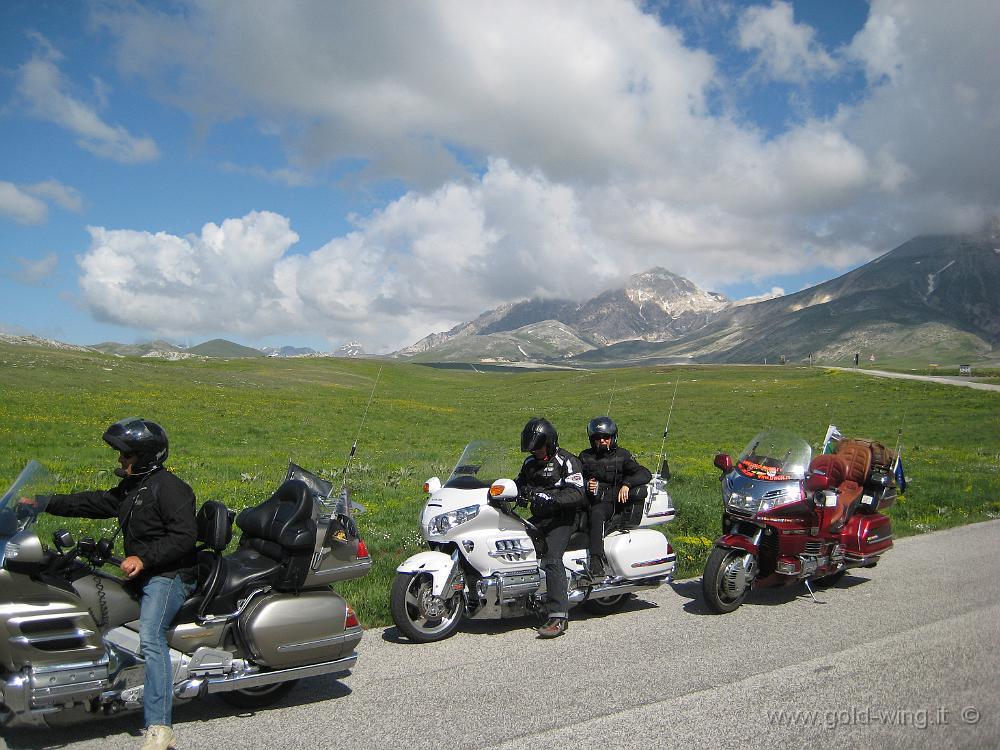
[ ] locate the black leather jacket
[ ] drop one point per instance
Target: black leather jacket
(157, 516)
(612, 469)
(560, 482)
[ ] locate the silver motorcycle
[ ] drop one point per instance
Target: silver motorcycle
(260, 618)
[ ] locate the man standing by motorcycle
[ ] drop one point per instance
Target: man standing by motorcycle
(613, 478)
(156, 515)
(551, 480)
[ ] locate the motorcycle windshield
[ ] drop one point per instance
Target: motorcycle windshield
(341, 504)
(482, 462)
(775, 455)
(35, 483)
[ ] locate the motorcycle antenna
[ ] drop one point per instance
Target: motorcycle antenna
(612, 397)
(354, 445)
(899, 435)
(663, 442)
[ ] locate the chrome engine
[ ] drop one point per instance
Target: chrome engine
(36, 691)
(506, 594)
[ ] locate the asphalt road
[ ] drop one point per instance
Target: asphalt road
(903, 655)
(926, 378)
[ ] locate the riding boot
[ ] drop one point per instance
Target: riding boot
(597, 568)
(554, 627)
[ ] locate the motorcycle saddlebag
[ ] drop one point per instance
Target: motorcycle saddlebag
(641, 553)
(288, 630)
(867, 535)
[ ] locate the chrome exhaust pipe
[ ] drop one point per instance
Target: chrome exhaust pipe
(256, 679)
(614, 587)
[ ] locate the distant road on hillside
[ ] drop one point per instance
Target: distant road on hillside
(929, 378)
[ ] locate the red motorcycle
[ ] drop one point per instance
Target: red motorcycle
(790, 517)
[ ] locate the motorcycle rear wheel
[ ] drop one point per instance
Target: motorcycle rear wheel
(831, 580)
(409, 602)
(258, 697)
(606, 605)
(718, 570)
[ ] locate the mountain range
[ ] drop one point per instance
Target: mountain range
(934, 298)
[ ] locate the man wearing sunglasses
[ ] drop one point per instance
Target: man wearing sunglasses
(156, 515)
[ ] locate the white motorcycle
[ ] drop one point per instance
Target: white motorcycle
(482, 562)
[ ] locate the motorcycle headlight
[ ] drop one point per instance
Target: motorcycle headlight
(445, 522)
(742, 502)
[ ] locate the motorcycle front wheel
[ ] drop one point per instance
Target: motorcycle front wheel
(723, 583)
(417, 614)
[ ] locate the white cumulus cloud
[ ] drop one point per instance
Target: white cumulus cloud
(545, 149)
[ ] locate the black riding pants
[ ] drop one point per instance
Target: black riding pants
(556, 540)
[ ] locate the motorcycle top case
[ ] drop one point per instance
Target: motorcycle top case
(285, 630)
(642, 553)
(867, 535)
(658, 507)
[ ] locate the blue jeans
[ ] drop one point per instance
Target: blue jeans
(161, 598)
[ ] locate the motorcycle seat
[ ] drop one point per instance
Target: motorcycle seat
(848, 491)
(282, 529)
(222, 581)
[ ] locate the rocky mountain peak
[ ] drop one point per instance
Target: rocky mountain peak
(674, 294)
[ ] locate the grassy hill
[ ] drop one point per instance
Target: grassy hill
(223, 348)
(234, 425)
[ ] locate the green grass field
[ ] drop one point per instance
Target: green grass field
(235, 424)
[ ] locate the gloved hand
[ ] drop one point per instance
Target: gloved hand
(542, 504)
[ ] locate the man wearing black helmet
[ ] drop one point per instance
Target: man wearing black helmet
(613, 478)
(551, 481)
(156, 516)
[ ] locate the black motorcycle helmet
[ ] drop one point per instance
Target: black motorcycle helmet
(602, 427)
(145, 439)
(539, 432)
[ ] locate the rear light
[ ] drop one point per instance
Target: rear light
(362, 550)
(351, 621)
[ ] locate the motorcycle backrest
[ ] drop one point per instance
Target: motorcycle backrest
(857, 457)
(284, 519)
(215, 525)
(826, 471)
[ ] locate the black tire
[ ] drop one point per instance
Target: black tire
(258, 697)
(409, 603)
(831, 580)
(606, 605)
(717, 580)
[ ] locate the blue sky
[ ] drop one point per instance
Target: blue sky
(314, 173)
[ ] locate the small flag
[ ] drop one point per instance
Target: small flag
(832, 435)
(898, 471)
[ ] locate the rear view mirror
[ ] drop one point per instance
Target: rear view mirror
(723, 462)
(664, 470)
